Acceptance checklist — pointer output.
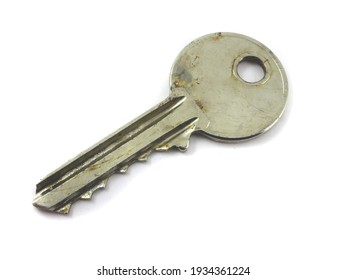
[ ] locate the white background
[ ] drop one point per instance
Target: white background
(71, 72)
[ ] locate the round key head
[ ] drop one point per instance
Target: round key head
(209, 70)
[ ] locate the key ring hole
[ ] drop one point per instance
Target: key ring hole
(251, 69)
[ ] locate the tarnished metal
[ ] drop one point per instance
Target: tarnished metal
(207, 96)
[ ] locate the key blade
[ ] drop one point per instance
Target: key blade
(158, 129)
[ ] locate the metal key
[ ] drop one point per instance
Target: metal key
(207, 96)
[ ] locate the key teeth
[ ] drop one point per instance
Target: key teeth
(183, 148)
(124, 169)
(163, 147)
(88, 195)
(65, 209)
(143, 157)
(181, 142)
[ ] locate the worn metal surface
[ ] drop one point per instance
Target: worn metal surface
(207, 95)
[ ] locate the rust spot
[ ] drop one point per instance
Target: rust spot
(180, 83)
(94, 166)
(217, 36)
(97, 165)
(195, 61)
(183, 78)
(200, 105)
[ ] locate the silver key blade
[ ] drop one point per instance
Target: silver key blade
(166, 125)
(207, 95)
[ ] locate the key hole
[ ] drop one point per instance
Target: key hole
(251, 69)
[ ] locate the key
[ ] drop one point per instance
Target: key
(207, 96)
